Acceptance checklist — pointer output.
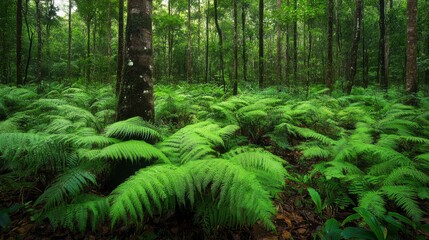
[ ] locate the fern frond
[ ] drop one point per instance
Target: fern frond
(400, 174)
(373, 202)
(133, 151)
(85, 209)
(405, 197)
(308, 133)
(267, 167)
(133, 128)
(69, 184)
(151, 190)
(233, 188)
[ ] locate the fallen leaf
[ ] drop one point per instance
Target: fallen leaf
(301, 230)
(286, 235)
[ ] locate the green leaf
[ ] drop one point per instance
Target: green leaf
(316, 199)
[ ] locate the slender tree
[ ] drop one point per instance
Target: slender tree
(330, 69)
(19, 42)
(287, 53)
(382, 47)
(219, 32)
(120, 47)
(352, 62)
(295, 47)
(189, 50)
(279, 46)
(136, 95)
(235, 88)
(39, 43)
(411, 75)
(206, 75)
(198, 65)
(69, 40)
(243, 39)
(261, 44)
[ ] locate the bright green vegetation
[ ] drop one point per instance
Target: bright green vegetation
(221, 158)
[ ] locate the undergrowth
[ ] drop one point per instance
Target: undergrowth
(221, 158)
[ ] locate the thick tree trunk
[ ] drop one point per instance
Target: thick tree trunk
(352, 63)
(235, 87)
(339, 36)
(387, 45)
(365, 54)
(411, 77)
(219, 32)
(261, 44)
(382, 48)
(136, 95)
(18, 43)
(330, 69)
(120, 47)
(69, 73)
(189, 51)
(279, 47)
(206, 72)
(427, 54)
(39, 43)
(243, 28)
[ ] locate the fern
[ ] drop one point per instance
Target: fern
(133, 128)
(132, 151)
(405, 197)
(373, 202)
(70, 184)
(150, 191)
(233, 188)
(83, 211)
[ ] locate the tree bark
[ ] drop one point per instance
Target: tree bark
(170, 45)
(235, 87)
(136, 95)
(382, 48)
(219, 31)
(330, 69)
(261, 44)
(351, 68)
(243, 28)
(411, 75)
(109, 34)
(279, 47)
(295, 48)
(120, 47)
(206, 75)
(39, 44)
(69, 73)
(19, 43)
(287, 54)
(189, 51)
(30, 35)
(365, 55)
(198, 65)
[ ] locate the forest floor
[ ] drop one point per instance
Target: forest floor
(295, 219)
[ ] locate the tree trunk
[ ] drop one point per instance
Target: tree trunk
(339, 35)
(330, 69)
(261, 44)
(235, 88)
(387, 45)
(39, 44)
(170, 45)
(365, 55)
(427, 54)
(411, 77)
(287, 54)
(219, 32)
(351, 68)
(69, 73)
(206, 75)
(295, 48)
(279, 47)
(109, 35)
(30, 35)
(18, 43)
(198, 65)
(88, 49)
(136, 95)
(120, 65)
(243, 28)
(382, 48)
(189, 51)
